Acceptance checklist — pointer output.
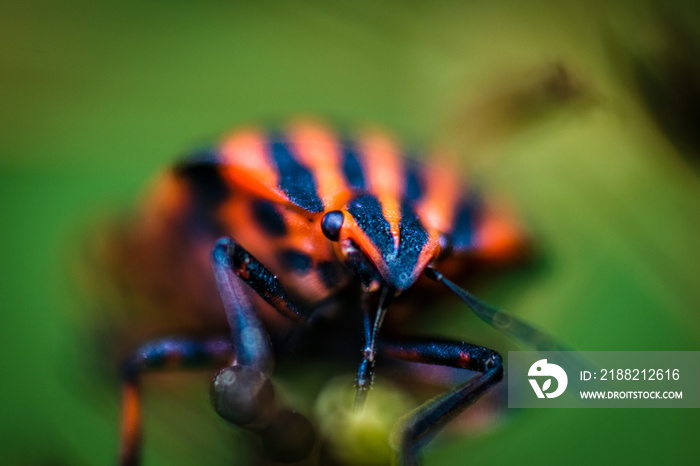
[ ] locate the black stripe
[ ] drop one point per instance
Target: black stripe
(367, 211)
(329, 273)
(414, 187)
(296, 181)
(268, 218)
(201, 170)
(294, 260)
(464, 225)
(413, 238)
(368, 214)
(208, 188)
(352, 168)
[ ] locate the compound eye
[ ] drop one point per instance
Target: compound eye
(331, 224)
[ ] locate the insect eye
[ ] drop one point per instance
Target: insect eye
(331, 224)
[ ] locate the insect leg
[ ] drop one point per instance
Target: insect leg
(243, 393)
(230, 259)
(168, 353)
(419, 426)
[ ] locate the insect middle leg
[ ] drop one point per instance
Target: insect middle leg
(418, 427)
(166, 353)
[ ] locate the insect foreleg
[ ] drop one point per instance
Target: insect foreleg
(243, 393)
(420, 425)
(229, 259)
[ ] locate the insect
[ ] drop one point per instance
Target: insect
(312, 238)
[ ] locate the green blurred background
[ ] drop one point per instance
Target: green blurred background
(569, 110)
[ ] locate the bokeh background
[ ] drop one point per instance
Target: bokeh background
(583, 115)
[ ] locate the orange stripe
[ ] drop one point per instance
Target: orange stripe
(442, 192)
(247, 164)
(317, 148)
(384, 172)
(498, 236)
(391, 209)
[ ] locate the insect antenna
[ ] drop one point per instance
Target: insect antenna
(515, 328)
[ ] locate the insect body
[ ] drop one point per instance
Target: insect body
(295, 219)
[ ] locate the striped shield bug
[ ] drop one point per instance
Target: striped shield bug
(304, 240)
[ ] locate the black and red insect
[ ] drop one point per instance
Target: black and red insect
(313, 237)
